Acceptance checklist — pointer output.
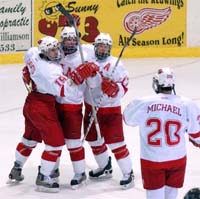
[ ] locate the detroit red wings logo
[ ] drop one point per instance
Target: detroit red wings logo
(145, 19)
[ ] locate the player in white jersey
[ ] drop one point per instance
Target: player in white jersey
(41, 120)
(163, 120)
(70, 106)
(107, 89)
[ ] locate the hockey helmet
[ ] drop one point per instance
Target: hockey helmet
(193, 194)
(102, 38)
(46, 44)
(164, 78)
(67, 33)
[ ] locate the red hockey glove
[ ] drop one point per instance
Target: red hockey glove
(194, 143)
(30, 85)
(84, 71)
(26, 75)
(109, 87)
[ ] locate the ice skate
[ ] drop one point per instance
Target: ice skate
(102, 173)
(46, 183)
(55, 174)
(127, 181)
(78, 180)
(15, 175)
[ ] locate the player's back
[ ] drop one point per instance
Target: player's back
(163, 121)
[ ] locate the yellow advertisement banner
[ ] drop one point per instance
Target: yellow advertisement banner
(159, 23)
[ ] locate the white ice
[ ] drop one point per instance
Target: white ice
(12, 97)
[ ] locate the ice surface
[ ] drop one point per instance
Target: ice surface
(13, 93)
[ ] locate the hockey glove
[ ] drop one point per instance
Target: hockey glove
(84, 71)
(26, 75)
(30, 85)
(109, 87)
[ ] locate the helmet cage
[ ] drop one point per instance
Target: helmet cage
(102, 38)
(68, 32)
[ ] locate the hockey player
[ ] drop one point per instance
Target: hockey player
(107, 91)
(163, 120)
(41, 121)
(70, 106)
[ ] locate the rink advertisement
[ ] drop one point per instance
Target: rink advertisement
(159, 23)
(15, 26)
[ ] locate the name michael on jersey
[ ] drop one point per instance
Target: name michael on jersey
(164, 107)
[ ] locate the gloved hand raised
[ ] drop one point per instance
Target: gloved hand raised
(109, 87)
(84, 71)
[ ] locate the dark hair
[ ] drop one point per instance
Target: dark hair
(165, 88)
(42, 56)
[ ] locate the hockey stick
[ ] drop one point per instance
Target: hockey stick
(114, 68)
(72, 22)
(121, 53)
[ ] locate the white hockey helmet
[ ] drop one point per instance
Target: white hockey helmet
(164, 78)
(46, 44)
(193, 193)
(102, 38)
(68, 32)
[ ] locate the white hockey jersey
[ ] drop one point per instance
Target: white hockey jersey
(70, 63)
(48, 76)
(163, 121)
(118, 74)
